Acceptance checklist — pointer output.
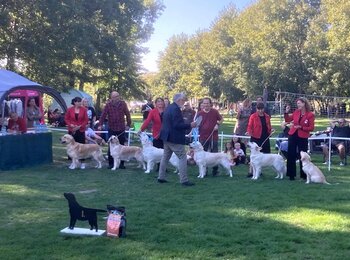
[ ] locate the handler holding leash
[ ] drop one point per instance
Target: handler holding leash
(208, 129)
(259, 128)
(116, 110)
(302, 122)
(173, 135)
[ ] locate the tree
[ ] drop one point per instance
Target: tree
(70, 43)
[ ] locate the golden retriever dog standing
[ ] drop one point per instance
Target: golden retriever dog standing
(124, 153)
(258, 160)
(78, 151)
(205, 159)
(313, 173)
(153, 155)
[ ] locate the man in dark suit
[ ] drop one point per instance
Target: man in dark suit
(173, 136)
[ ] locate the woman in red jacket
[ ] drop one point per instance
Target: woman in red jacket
(155, 116)
(259, 128)
(76, 119)
(302, 122)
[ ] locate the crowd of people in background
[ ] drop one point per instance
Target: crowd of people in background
(171, 125)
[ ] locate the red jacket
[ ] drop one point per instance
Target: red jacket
(254, 125)
(307, 123)
(153, 117)
(19, 125)
(83, 119)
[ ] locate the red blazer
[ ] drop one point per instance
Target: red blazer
(83, 119)
(154, 117)
(254, 125)
(20, 124)
(307, 123)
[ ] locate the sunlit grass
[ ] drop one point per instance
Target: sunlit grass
(218, 218)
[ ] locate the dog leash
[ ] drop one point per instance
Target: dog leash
(211, 134)
(267, 138)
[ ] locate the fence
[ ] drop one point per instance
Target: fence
(131, 133)
(324, 106)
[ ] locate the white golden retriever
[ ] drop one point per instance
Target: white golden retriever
(124, 153)
(153, 155)
(78, 151)
(312, 172)
(205, 159)
(258, 160)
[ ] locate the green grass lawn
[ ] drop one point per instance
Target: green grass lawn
(218, 218)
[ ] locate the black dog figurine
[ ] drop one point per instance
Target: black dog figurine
(78, 212)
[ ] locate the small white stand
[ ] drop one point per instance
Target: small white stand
(82, 232)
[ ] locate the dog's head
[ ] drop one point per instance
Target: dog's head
(196, 146)
(305, 157)
(254, 147)
(69, 196)
(144, 138)
(113, 140)
(67, 139)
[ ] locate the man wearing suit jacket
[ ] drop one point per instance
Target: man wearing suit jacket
(173, 136)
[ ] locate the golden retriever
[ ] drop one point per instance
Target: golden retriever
(258, 160)
(153, 155)
(78, 151)
(205, 159)
(124, 153)
(312, 172)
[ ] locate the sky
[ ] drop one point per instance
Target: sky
(183, 16)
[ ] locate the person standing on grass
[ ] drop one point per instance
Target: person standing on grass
(243, 115)
(259, 128)
(301, 123)
(209, 129)
(155, 117)
(173, 135)
(76, 119)
(117, 112)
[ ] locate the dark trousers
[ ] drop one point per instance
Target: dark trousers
(266, 148)
(158, 143)
(295, 146)
(121, 138)
(213, 147)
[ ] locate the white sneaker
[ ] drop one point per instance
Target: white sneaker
(341, 164)
(325, 163)
(82, 166)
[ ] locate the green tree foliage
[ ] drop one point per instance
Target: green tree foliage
(328, 49)
(298, 46)
(69, 43)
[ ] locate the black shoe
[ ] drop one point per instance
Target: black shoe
(121, 167)
(215, 174)
(110, 167)
(291, 178)
(187, 183)
(162, 181)
(249, 175)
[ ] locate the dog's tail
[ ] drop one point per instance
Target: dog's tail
(331, 183)
(101, 210)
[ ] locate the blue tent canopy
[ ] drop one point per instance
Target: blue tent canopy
(10, 81)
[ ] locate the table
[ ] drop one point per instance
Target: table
(23, 150)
